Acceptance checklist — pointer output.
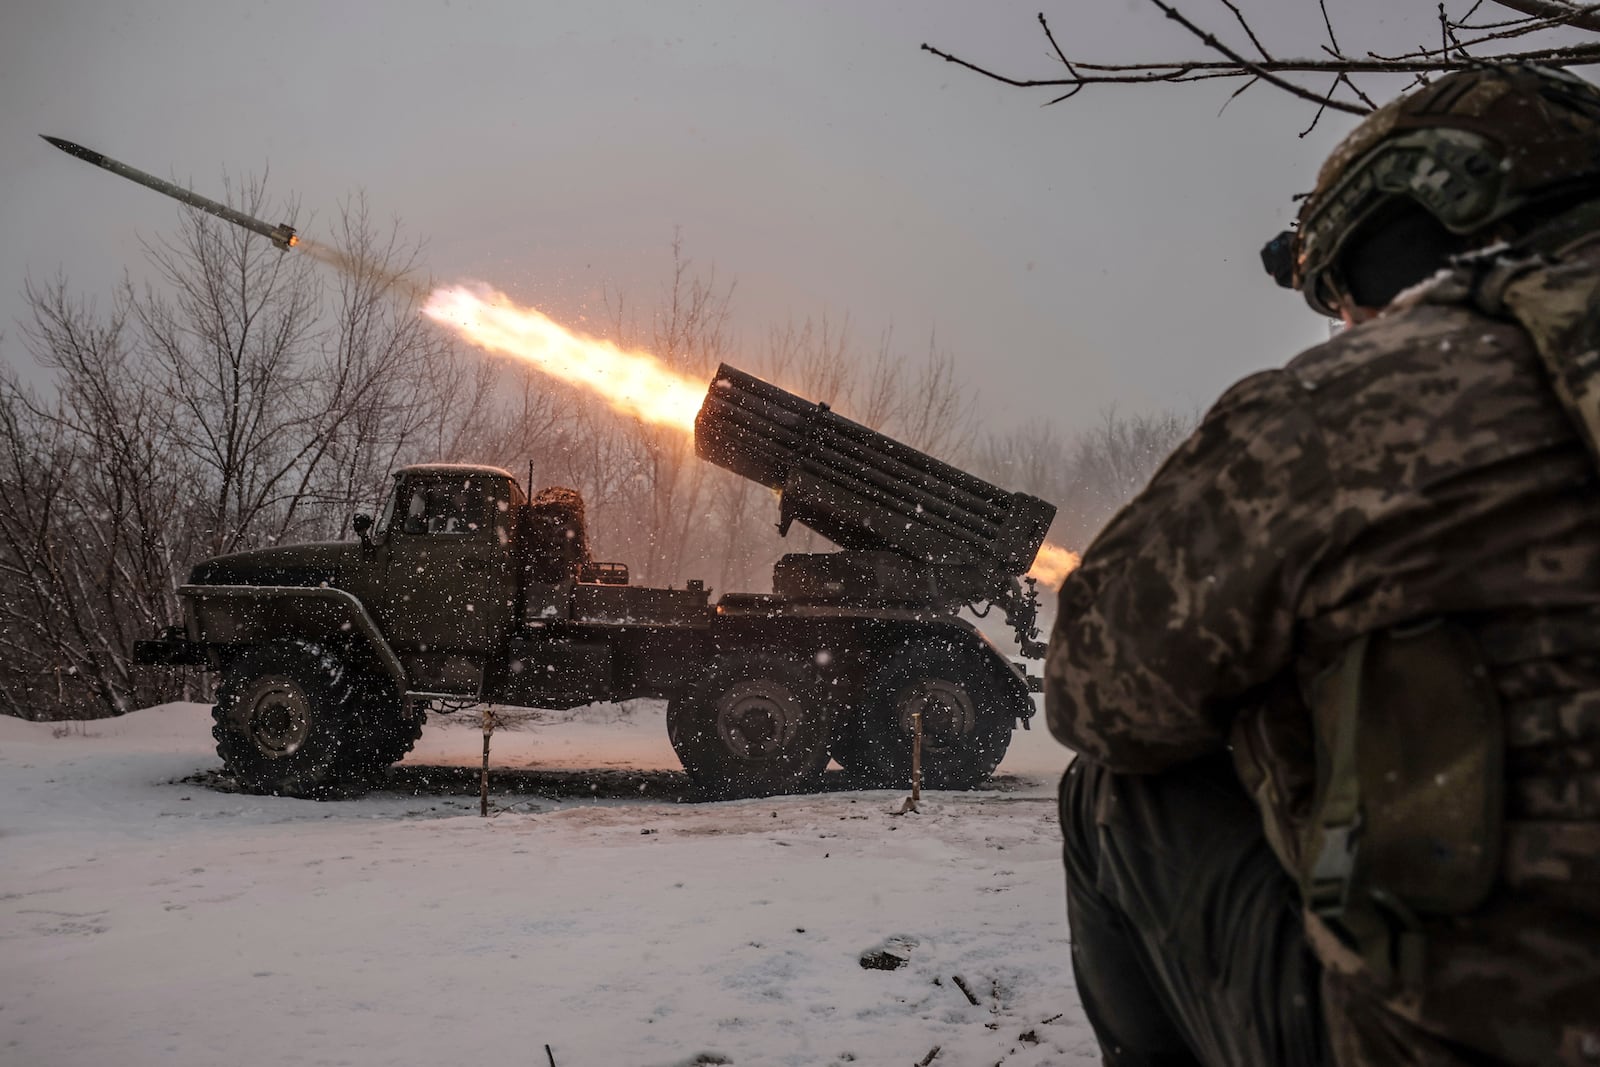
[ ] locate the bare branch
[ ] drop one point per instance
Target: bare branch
(1581, 16)
(1354, 88)
(1251, 33)
(1211, 42)
(1236, 94)
(1322, 108)
(1051, 37)
(1456, 51)
(1433, 60)
(1328, 22)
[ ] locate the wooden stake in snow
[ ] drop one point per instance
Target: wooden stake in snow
(910, 802)
(916, 758)
(483, 779)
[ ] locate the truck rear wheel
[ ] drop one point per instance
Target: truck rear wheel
(282, 711)
(966, 724)
(753, 724)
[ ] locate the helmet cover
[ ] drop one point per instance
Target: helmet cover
(1468, 149)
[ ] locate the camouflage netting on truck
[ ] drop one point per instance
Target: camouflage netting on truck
(557, 541)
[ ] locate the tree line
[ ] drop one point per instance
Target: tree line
(244, 398)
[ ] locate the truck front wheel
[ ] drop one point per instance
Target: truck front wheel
(753, 724)
(383, 729)
(282, 710)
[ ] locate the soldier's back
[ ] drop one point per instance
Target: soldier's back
(1463, 491)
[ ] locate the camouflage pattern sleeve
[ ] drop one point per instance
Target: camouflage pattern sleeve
(1185, 603)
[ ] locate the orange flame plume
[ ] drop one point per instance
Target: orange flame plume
(634, 383)
(1052, 565)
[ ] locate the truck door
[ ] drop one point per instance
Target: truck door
(449, 583)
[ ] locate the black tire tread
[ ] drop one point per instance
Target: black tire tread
(692, 730)
(312, 772)
(382, 730)
(880, 755)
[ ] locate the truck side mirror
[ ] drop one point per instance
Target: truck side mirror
(362, 524)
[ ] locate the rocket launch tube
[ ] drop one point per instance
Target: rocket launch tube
(283, 235)
(859, 488)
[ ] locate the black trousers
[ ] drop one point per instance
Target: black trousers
(1187, 940)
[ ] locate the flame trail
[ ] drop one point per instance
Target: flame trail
(634, 383)
(1053, 563)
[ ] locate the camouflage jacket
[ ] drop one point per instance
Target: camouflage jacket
(1416, 466)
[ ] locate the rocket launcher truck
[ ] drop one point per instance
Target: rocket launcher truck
(466, 589)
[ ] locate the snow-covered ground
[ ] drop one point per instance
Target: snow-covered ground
(149, 917)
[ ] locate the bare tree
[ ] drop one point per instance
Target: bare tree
(1088, 475)
(935, 413)
(228, 334)
(88, 495)
(234, 402)
(376, 352)
(1032, 458)
(1326, 74)
(688, 333)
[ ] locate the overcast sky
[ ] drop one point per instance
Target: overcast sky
(1100, 252)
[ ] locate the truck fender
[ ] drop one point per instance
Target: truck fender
(256, 614)
(1011, 679)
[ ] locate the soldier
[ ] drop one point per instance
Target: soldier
(1334, 676)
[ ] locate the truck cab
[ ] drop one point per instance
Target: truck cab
(439, 571)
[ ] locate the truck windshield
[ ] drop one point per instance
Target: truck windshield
(446, 506)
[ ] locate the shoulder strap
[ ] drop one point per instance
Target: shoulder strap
(1555, 298)
(1336, 836)
(1559, 305)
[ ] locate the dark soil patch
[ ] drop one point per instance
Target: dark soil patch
(609, 783)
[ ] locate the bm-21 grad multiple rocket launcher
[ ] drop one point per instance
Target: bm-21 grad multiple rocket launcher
(467, 590)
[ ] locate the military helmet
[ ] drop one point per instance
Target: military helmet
(1469, 149)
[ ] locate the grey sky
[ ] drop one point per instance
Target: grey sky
(1099, 252)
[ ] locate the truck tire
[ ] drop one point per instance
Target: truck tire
(966, 721)
(282, 712)
(381, 731)
(753, 724)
